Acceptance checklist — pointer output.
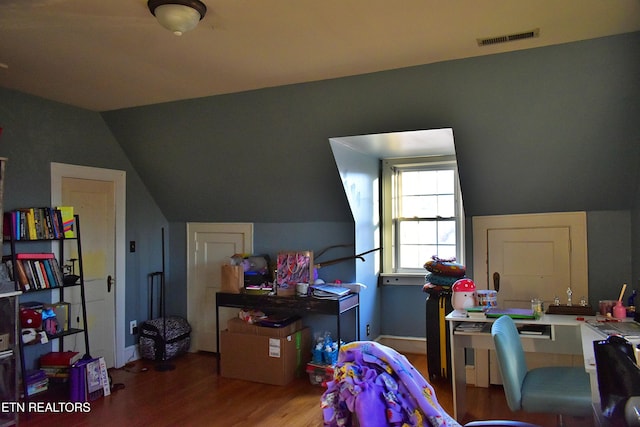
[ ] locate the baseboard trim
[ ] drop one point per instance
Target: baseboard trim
(412, 345)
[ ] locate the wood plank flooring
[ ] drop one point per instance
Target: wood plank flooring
(194, 395)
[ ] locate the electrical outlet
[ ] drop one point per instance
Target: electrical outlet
(368, 329)
(133, 327)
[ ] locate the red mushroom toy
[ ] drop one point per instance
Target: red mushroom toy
(464, 294)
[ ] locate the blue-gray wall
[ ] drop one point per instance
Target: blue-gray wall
(359, 174)
(541, 130)
(548, 129)
(37, 132)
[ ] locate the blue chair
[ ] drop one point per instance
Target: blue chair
(555, 390)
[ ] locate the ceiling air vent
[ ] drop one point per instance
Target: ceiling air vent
(509, 38)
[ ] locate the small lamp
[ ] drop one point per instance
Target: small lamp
(178, 16)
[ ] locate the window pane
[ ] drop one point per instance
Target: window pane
(446, 251)
(419, 182)
(446, 206)
(445, 181)
(447, 232)
(418, 232)
(419, 207)
(413, 256)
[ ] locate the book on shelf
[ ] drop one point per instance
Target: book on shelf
(68, 221)
(48, 272)
(39, 223)
(8, 226)
(32, 277)
(39, 268)
(57, 272)
(59, 358)
(470, 326)
(35, 270)
(30, 224)
(23, 279)
(56, 373)
(36, 381)
(35, 255)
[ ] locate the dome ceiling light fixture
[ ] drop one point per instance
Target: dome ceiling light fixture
(178, 16)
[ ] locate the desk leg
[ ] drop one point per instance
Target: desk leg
(458, 376)
(338, 321)
(218, 335)
(358, 322)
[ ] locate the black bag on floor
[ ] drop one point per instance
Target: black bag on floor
(618, 379)
(178, 338)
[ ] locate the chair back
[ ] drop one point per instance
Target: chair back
(511, 360)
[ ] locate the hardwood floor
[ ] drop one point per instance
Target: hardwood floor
(194, 395)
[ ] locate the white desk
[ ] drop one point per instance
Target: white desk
(567, 335)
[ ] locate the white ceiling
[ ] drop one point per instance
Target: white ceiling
(110, 54)
(419, 143)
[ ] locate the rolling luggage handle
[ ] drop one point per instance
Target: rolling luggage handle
(156, 279)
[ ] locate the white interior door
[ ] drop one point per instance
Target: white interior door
(536, 255)
(93, 201)
(209, 246)
(529, 263)
(529, 252)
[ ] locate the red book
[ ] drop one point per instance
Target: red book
(45, 255)
(59, 358)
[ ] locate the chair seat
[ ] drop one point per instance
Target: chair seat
(561, 390)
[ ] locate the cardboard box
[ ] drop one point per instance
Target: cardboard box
(264, 359)
(239, 326)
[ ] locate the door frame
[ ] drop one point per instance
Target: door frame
(119, 178)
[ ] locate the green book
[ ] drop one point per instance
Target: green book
(514, 313)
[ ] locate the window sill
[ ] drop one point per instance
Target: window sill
(401, 279)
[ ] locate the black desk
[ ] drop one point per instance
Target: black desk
(295, 305)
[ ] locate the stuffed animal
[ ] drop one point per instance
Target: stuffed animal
(30, 318)
(464, 295)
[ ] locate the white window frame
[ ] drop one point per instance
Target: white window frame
(390, 274)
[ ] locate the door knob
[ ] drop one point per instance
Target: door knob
(109, 283)
(496, 281)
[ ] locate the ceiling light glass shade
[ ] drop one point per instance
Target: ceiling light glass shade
(178, 16)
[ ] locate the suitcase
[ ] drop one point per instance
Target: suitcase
(152, 338)
(438, 305)
(153, 344)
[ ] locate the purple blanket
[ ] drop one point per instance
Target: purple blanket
(381, 388)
